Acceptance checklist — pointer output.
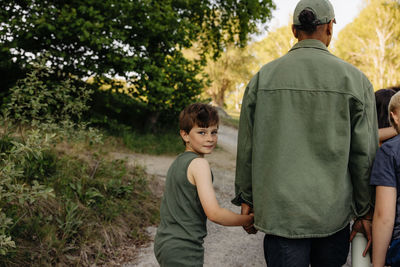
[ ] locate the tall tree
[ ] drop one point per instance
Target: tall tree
(371, 42)
(277, 43)
(140, 40)
(227, 73)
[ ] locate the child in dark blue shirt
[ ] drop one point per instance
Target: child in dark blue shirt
(385, 176)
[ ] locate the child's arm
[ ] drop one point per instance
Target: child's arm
(199, 173)
(383, 223)
(386, 133)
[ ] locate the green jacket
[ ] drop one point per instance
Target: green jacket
(307, 139)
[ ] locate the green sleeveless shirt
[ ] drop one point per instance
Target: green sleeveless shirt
(179, 238)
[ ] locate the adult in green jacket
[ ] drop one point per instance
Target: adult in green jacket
(307, 140)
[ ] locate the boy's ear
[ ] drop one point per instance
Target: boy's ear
(395, 117)
(184, 135)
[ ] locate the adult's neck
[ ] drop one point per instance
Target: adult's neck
(325, 41)
(323, 33)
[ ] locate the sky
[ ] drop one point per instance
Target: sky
(345, 12)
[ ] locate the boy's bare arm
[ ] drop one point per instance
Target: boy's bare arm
(199, 171)
(383, 223)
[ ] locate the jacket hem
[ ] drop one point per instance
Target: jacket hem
(299, 236)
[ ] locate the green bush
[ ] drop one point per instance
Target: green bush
(113, 111)
(14, 192)
(40, 168)
(5, 144)
(35, 100)
(56, 107)
(62, 207)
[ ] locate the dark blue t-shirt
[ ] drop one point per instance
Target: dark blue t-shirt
(385, 172)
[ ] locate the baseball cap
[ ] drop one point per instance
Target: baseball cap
(322, 9)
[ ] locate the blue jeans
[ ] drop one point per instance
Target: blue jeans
(328, 251)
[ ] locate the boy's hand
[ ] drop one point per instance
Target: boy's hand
(363, 225)
(247, 210)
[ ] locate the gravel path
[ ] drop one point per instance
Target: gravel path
(224, 246)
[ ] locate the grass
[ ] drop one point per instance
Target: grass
(168, 143)
(98, 204)
(163, 142)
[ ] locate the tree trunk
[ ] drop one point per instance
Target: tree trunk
(220, 97)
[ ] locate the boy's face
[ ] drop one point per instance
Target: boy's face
(396, 119)
(201, 140)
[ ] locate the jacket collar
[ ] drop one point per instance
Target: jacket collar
(310, 43)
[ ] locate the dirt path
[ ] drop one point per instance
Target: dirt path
(224, 246)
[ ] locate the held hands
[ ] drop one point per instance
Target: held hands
(363, 225)
(250, 224)
(247, 210)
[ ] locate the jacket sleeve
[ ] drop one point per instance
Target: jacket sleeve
(364, 144)
(243, 178)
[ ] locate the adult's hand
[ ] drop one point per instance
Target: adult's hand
(363, 225)
(246, 210)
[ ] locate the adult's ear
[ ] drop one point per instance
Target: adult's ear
(329, 32)
(330, 27)
(294, 31)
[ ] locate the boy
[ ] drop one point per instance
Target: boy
(386, 177)
(189, 198)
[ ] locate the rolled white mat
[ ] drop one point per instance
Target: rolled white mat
(357, 248)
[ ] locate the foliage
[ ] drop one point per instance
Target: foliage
(277, 43)
(58, 206)
(138, 40)
(227, 73)
(111, 110)
(23, 162)
(373, 44)
(37, 102)
(166, 142)
(96, 204)
(16, 189)
(33, 101)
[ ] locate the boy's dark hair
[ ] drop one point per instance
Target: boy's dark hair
(202, 115)
(308, 21)
(382, 99)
